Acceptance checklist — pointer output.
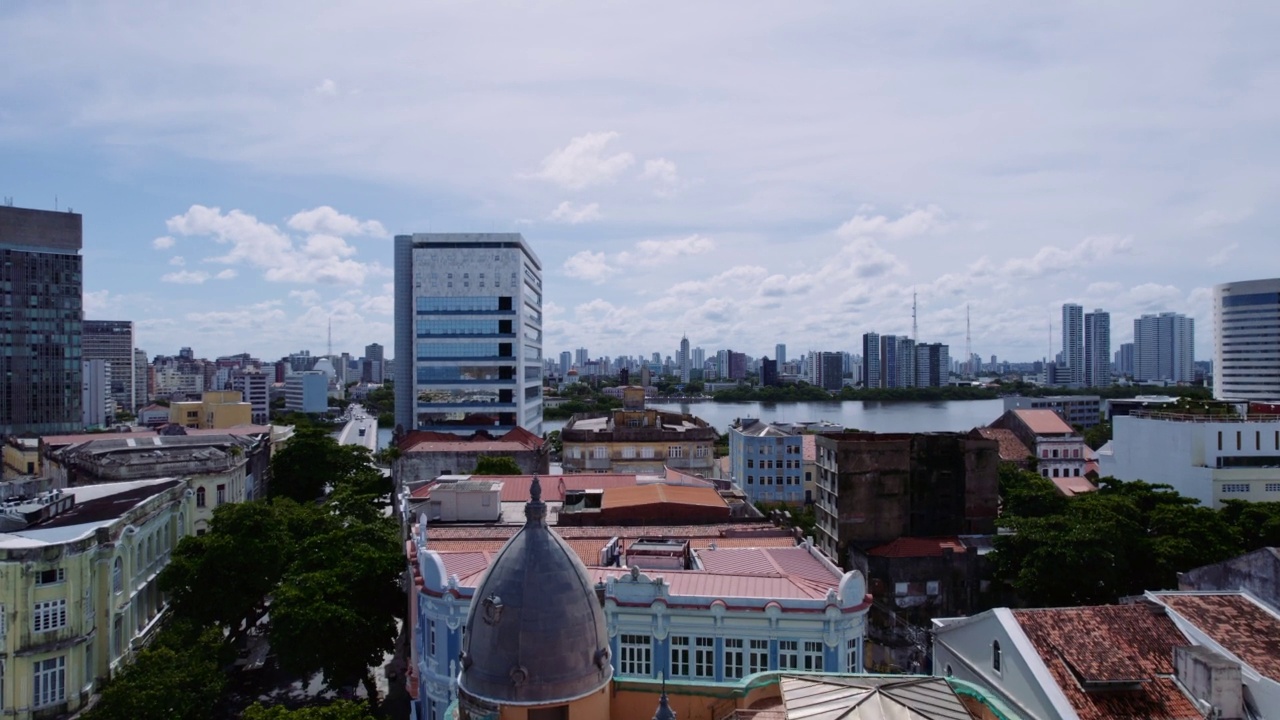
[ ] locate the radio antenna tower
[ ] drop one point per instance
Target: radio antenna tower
(330, 335)
(968, 343)
(915, 328)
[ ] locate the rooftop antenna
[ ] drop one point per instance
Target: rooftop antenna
(915, 328)
(968, 342)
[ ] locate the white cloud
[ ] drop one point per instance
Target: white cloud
(1212, 219)
(920, 221)
(228, 274)
(96, 301)
(162, 243)
(325, 220)
(327, 88)
(567, 212)
(305, 297)
(1052, 259)
(589, 266)
(186, 277)
(1220, 258)
(177, 261)
(663, 174)
(655, 253)
(319, 258)
(583, 162)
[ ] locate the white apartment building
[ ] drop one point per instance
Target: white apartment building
(1164, 348)
(468, 318)
(255, 388)
(1073, 343)
(1205, 458)
(1246, 347)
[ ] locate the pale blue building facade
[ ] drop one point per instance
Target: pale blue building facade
(766, 461)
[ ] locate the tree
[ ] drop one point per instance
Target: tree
(340, 710)
(335, 610)
(1098, 435)
(311, 461)
(178, 678)
(496, 465)
(1256, 523)
(222, 578)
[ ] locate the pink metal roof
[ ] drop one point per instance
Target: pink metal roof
(762, 529)
(699, 583)
(1044, 422)
(905, 547)
(1073, 485)
(515, 488)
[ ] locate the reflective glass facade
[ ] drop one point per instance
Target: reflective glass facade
(1246, 362)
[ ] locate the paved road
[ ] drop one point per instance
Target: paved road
(361, 429)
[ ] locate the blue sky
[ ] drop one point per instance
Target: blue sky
(743, 172)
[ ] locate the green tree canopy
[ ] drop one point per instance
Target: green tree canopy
(340, 710)
(313, 460)
(1258, 524)
(178, 678)
(496, 465)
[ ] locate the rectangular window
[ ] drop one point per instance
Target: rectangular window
(704, 659)
(813, 655)
(758, 657)
(635, 655)
(900, 589)
(431, 638)
(679, 656)
(646, 452)
(50, 577)
(600, 452)
(851, 656)
(49, 615)
(1235, 487)
(628, 452)
(788, 655)
(675, 451)
(222, 494)
(931, 587)
(751, 463)
(1269, 487)
(49, 681)
(733, 657)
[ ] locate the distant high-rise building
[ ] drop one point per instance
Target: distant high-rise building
(372, 367)
(566, 362)
(468, 319)
(40, 328)
(1073, 344)
(684, 361)
(1246, 340)
(871, 360)
(96, 401)
(768, 372)
(737, 369)
(112, 341)
(699, 359)
(906, 357)
(780, 354)
(933, 365)
(1097, 349)
(1164, 348)
(828, 370)
(580, 357)
(889, 377)
(141, 379)
(1124, 360)
(254, 387)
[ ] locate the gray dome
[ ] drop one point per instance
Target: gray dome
(535, 634)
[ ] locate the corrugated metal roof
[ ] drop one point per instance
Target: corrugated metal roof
(622, 497)
(871, 698)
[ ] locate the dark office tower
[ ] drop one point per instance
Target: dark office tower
(112, 341)
(40, 322)
(1097, 349)
(889, 361)
(371, 367)
(768, 372)
(871, 360)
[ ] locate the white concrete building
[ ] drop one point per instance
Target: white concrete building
(96, 403)
(468, 318)
(1205, 458)
(1164, 348)
(255, 388)
(1246, 341)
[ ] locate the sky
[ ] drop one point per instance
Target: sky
(743, 173)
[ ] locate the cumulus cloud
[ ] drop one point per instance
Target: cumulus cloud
(584, 162)
(589, 266)
(920, 221)
(96, 301)
(186, 277)
(1051, 258)
(323, 257)
(567, 212)
(326, 88)
(1220, 258)
(325, 220)
(177, 261)
(652, 253)
(1210, 219)
(162, 243)
(663, 174)
(228, 274)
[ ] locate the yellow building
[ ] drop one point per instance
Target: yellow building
(78, 595)
(21, 456)
(637, 440)
(215, 409)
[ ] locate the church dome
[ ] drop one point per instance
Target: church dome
(535, 634)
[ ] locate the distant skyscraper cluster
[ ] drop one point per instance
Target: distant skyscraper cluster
(1162, 351)
(891, 361)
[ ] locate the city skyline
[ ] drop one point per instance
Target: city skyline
(1010, 161)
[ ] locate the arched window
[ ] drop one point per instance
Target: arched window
(995, 655)
(199, 497)
(117, 577)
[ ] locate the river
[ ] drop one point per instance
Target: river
(867, 415)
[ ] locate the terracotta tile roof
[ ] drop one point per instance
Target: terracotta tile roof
(1011, 448)
(906, 547)
(623, 497)
(1044, 422)
(1236, 622)
(1111, 661)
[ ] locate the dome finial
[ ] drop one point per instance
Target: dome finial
(535, 511)
(664, 707)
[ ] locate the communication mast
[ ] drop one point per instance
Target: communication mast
(915, 329)
(968, 344)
